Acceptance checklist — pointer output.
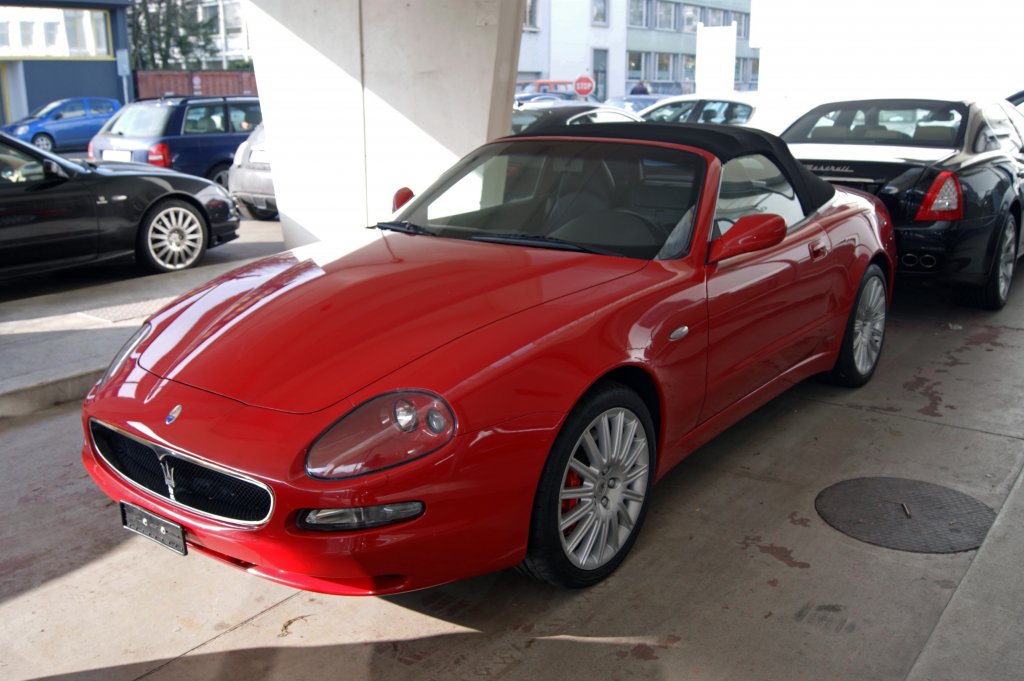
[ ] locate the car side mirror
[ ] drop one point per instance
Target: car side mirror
(402, 197)
(53, 171)
(749, 234)
(57, 116)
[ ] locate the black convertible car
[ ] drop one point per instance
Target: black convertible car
(55, 213)
(950, 173)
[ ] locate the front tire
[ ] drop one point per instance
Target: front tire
(43, 141)
(865, 331)
(993, 294)
(172, 237)
(594, 491)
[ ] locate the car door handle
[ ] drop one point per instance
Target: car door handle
(818, 249)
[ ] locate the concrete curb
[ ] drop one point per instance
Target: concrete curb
(45, 395)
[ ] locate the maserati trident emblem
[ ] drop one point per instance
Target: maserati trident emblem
(165, 467)
(173, 416)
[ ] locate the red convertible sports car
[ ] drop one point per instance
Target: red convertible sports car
(501, 377)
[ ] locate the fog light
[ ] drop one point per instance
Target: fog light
(341, 519)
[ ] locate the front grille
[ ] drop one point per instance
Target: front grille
(195, 486)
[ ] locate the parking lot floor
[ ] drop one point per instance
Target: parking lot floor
(735, 576)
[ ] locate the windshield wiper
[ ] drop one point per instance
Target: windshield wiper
(405, 227)
(540, 240)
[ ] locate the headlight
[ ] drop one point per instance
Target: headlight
(21, 130)
(387, 431)
(123, 353)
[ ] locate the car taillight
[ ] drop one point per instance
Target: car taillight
(91, 156)
(944, 200)
(159, 155)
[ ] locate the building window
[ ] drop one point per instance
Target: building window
(100, 34)
(50, 30)
(232, 17)
(689, 67)
(27, 31)
(663, 66)
(638, 13)
(599, 12)
(530, 16)
(714, 17)
(5, 34)
(600, 72)
(742, 25)
(636, 63)
(691, 17)
(665, 15)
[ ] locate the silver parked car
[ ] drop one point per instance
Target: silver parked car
(249, 179)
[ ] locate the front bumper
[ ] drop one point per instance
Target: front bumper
(961, 251)
(478, 492)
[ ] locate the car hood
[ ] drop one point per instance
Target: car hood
(302, 330)
(113, 168)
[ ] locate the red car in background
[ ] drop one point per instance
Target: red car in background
(502, 376)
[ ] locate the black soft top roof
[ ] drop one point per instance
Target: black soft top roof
(724, 141)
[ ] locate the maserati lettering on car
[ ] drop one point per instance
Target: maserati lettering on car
(500, 378)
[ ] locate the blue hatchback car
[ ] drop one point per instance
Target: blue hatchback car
(65, 123)
(194, 135)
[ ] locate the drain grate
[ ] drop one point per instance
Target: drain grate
(909, 515)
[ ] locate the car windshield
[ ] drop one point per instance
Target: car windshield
(45, 109)
(614, 198)
(142, 119)
(900, 122)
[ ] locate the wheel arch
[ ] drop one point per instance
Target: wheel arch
(642, 383)
(178, 196)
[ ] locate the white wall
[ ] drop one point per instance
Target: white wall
(362, 97)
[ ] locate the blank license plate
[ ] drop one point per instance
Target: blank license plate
(152, 526)
(117, 155)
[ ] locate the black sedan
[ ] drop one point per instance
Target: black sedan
(950, 173)
(55, 213)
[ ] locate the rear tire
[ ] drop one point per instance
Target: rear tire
(993, 294)
(865, 332)
(594, 491)
(219, 174)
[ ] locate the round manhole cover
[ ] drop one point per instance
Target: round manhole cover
(908, 515)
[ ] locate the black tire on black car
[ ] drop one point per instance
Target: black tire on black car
(594, 490)
(43, 141)
(865, 331)
(993, 294)
(172, 236)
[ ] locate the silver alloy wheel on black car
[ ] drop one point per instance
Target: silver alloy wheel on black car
(173, 237)
(993, 294)
(865, 331)
(594, 490)
(43, 141)
(1007, 259)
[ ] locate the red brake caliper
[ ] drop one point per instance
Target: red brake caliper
(572, 479)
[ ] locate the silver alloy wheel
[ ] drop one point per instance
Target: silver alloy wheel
(43, 142)
(603, 488)
(1007, 259)
(175, 237)
(869, 326)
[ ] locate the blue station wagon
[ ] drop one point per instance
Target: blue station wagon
(194, 135)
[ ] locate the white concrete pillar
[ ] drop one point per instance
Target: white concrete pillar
(362, 97)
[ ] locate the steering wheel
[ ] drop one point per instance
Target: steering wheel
(656, 230)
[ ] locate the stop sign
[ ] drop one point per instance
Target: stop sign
(584, 85)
